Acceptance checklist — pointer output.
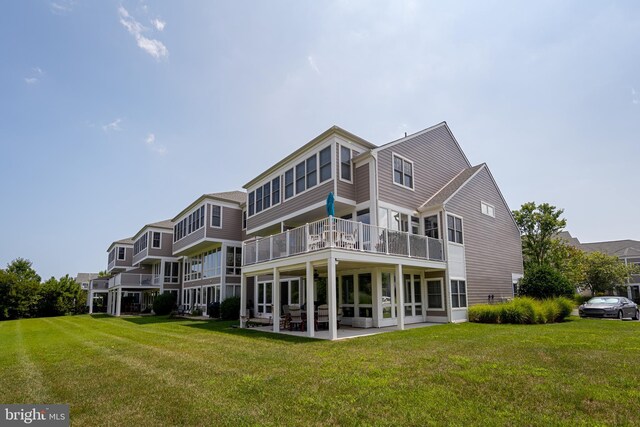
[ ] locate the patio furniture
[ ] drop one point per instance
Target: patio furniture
(348, 240)
(285, 318)
(314, 242)
(323, 316)
(296, 320)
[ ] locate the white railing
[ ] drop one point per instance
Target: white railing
(131, 279)
(343, 234)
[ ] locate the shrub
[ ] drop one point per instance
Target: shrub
(544, 281)
(196, 312)
(164, 303)
(230, 309)
(522, 310)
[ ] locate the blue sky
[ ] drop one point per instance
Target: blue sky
(117, 114)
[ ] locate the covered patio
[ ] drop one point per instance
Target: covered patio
(346, 332)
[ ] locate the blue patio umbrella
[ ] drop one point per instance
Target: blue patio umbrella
(331, 211)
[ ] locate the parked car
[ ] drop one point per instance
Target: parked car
(610, 306)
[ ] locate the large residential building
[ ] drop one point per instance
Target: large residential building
(376, 236)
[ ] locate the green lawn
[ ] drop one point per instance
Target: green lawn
(155, 371)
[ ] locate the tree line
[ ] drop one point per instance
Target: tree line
(553, 267)
(23, 294)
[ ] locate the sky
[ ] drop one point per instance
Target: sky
(115, 114)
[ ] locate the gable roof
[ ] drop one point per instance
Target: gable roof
(619, 248)
(166, 224)
(237, 197)
(451, 188)
(128, 241)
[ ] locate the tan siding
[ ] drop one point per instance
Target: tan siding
(166, 245)
(343, 188)
(436, 160)
(304, 200)
(128, 258)
(190, 239)
(492, 245)
(362, 184)
(231, 224)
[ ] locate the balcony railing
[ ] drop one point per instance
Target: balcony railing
(131, 279)
(158, 280)
(342, 234)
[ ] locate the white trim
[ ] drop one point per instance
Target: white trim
(286, 217)
(413, 172)
(124, 258)
(204, 239)
(352, 169)
(447, 229)
(152, 235)
(426, 294)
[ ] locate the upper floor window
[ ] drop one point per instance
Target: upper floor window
(265, 196)
(275, 190)
(216, 216)
(402, 171)
(156, 242)
(258, 199)
(251, 203)
(454, 227)
(415, 225)
(121, 253)
(325, 164)
(234, 260)
(140, 244)
(188, 225)
(244, 219)
(488, 209)
(345, 163)
(112, 256)
(288, 184)
(431, 227)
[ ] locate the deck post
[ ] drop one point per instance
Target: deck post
(400, 292)
(91, 299)
(118, 301)
(243, 300)
(332, 300)
(109, 302)
(276, 300)
(310, 308)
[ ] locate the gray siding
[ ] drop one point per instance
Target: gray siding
(343, 189)
(188, 240)
(492, 245)
(436, 160)
(231, 224)
(140, 255)
(128, 258)
(303, 201)
(166, 245)
(362, 183)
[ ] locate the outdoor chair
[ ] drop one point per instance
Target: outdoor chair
(296, 320)
(323, 316)
(348, 241)
(285, 318)
(314, 242)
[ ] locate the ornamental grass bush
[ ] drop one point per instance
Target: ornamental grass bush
(522, 310)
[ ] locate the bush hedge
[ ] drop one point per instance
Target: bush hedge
(544, 281)
(522, 310)
(230, 309)
(164, 304)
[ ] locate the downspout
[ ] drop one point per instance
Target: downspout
(447, 284)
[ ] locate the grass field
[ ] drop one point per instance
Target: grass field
(156, 371)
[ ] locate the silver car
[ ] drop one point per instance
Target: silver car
(614, 307)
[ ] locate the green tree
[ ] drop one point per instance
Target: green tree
(568, 260)
(603, 273)
(103, 273)
(539, 226)
(23, 269)
(61, 297)
(544, 281)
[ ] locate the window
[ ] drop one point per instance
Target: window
(300, 177)
(363, 216)
(431, 227)
(120, 253)
(345, 163)
(251, 203)
(171, 272)
(399, 221)
(188, 225)
(212, 262)
(434, 294)
(244, 219)
(402, 172)
(112, 256)
(325, 164)
(288, 184)
(458, 294)
(259, 200)
(415, 225)
(454, 226)
(488, 209)
(275, 190)
(234, 260)
(312, 176)
(266, 196)
(140, 244)
(156, 243)
(387, 292)
(364, 295)
(216, 216)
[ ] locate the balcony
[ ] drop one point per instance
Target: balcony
(132, 280)
(165, 280)
(341, 234)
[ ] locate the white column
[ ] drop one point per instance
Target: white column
(109, 302)
(332, 301)
(310, 308)
(400, 292)
(276, 300)
(161, 278)
(90, 301)
(243, 299)
(118, 301)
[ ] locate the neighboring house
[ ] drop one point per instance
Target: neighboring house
(208, 236)
(628, 251)
(418, 235)
(83, 279)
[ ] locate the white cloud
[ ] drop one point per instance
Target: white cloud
(61, 7)
(31, 80)
(150, 141)
(312, 64)
(635, 97)
(159, 24)
(113, 126)
(153, 47)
